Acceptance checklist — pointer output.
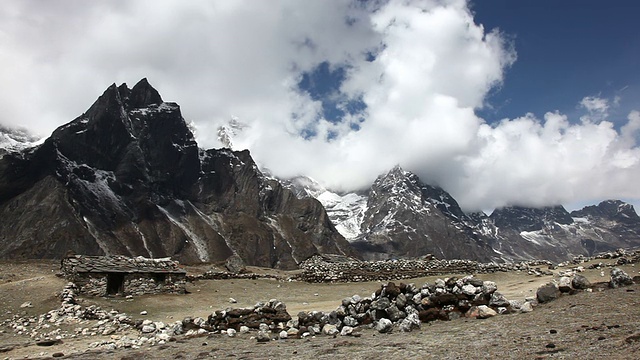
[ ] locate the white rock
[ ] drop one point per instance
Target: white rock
(143, 312)
(232, 300)
(384, 325)
(329, 329)
(231, 332)
(469, 289)
(526, 307)
(148, 329)
(346, 330)
(283, 334)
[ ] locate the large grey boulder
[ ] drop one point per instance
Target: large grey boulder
(548, 292)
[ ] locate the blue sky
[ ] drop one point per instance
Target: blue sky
(566, 50)
(446, 94)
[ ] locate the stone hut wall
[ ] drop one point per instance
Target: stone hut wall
(95, 284)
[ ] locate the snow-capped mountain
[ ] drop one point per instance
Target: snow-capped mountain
(399, 216)
(231, 129)
(127, 177)
(345, 211)
(15, 140)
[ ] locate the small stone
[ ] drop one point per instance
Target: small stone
(526, 307)
(57, 354)
(384, 325)
(489, 287)
(231, 332)
(329, 329)
(148, 329)
(394, 313)
(244, 329)
(485, 312)
(550, 346)
(27, 304)
(232, 300)
(469, 290)
(143, 312)
(619, 278)
(564, 284)
(350, 321)
(283, 335)
(553, 331)
(263, 336)
(580, 282)
(498, 300)
(346, 330)
(409, 323)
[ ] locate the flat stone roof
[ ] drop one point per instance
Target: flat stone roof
(119, 264)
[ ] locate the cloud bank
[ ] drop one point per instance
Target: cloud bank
(421, 68)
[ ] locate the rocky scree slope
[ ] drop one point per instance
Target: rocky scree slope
(127, 177)
(401, 217)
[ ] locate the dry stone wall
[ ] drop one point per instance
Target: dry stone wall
(134, 284)
(321, 269)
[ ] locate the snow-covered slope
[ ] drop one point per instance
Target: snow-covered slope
(14, 140)
(346, 211)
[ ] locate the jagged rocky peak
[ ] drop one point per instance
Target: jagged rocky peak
(134, 134)
(529, 218)
(399, 182)
(143, 94)
(616, 210)
(127, 177)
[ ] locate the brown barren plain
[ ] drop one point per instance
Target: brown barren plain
(583, 326)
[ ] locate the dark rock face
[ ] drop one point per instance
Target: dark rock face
(406, 218)
(127, 177)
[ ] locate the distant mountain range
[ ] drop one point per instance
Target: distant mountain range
(401, 217)
(127, 177)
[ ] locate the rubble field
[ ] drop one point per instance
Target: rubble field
(447, 316)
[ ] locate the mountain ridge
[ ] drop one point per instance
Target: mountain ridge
(127, 177)
(511, 233)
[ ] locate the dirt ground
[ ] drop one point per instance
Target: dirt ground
(586, 325)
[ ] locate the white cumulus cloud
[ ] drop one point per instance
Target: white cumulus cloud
(432, 68)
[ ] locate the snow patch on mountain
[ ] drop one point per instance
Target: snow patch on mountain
(346, 211)
(16, 140)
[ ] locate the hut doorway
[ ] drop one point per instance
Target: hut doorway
(115, 283)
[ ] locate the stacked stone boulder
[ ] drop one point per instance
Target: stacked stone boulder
(272, 314)
(406, 306)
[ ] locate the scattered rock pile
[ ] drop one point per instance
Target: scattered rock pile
(570, 282)
(90, 320)
(319, 269)
(621, 256)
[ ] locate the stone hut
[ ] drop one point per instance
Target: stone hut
(121, 275)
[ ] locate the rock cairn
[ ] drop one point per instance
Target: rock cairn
(320, 269)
